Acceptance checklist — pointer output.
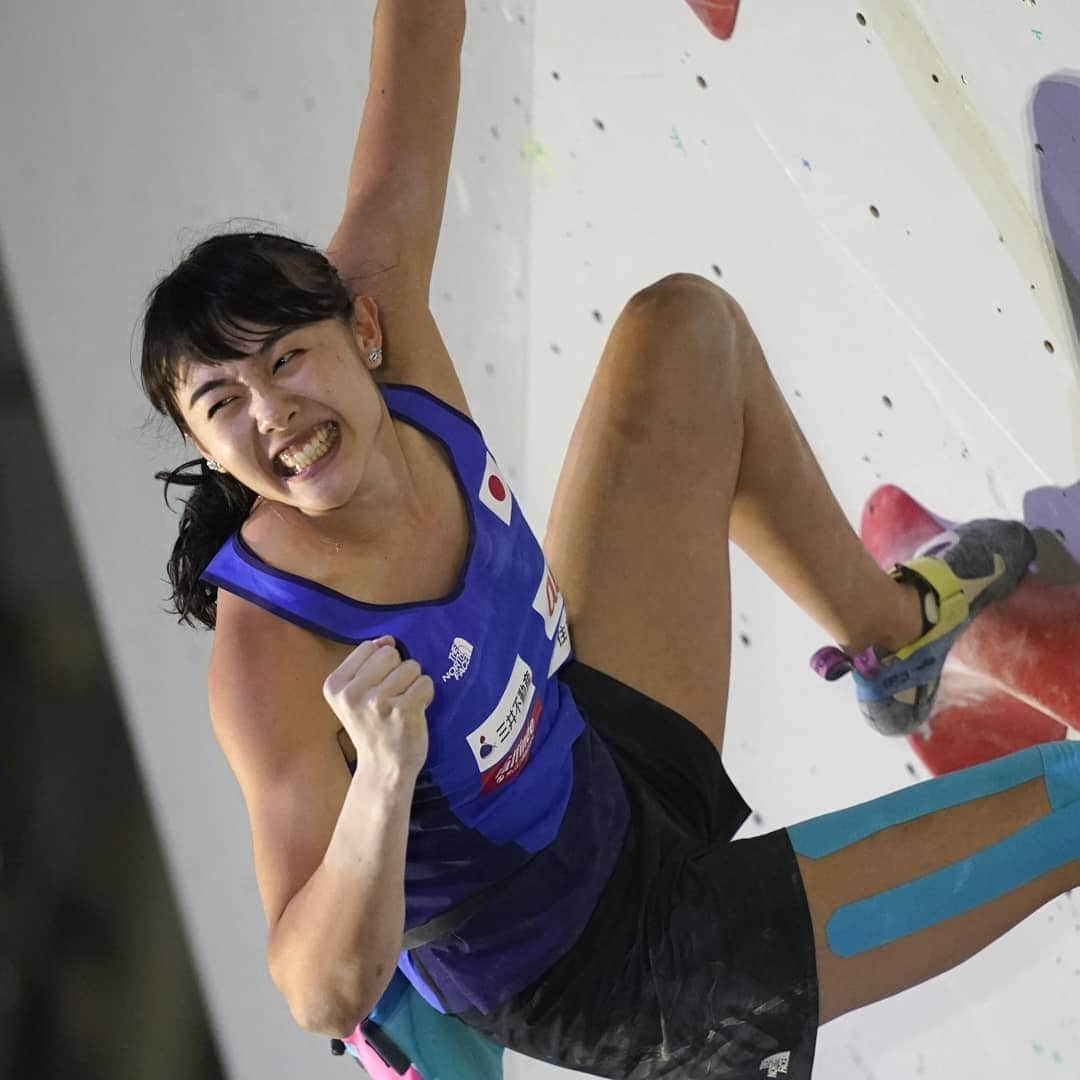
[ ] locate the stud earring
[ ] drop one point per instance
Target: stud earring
(213, 465)
(375, 357)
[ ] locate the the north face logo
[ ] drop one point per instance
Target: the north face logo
(776, 1065)
(460, 655)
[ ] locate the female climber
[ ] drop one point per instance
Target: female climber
(494, 765)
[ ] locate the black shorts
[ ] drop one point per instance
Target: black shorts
(698, 960)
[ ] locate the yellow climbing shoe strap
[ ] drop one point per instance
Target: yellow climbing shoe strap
(953, 606)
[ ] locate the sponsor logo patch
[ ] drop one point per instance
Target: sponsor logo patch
(501, 745)
(776, 1065)
(547, 601)
(518, 756)
(550, 605)
(561, 649)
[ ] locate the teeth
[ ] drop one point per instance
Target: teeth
(300, 459)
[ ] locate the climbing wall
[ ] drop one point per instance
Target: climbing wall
(892, 192)
(889, 188)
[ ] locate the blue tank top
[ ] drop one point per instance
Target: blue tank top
(517, 791)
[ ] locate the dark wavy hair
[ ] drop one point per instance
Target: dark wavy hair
(232, 289)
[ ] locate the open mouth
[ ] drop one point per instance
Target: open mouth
(298, 459)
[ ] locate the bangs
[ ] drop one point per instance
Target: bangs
(225, 300)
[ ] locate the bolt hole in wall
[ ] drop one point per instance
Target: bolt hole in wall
(95, 978)
(1056, 109)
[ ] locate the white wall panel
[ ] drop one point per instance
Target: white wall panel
(769, 171)
(131, 131)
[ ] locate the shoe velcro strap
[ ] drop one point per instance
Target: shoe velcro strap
(953, 608)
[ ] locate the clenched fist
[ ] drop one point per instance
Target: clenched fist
(381, 700)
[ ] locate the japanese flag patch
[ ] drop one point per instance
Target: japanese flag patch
(495, 492)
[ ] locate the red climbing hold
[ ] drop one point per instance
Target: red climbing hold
(717, 15)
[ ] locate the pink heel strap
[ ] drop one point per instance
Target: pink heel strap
(831, 663)
(867, 664)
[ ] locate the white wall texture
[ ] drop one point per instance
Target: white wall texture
(130, 130)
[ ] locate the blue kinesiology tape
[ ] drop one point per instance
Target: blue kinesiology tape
(1062, 772)
(965, 885)
(957, 889)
